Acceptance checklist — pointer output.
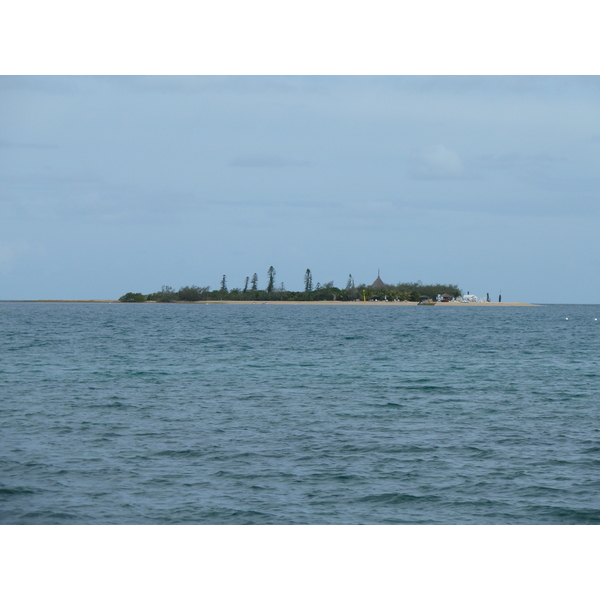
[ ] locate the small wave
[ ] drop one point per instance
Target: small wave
(119, 405)
(342, 477)
(15, 491)
(48, 517)
(573, 516)
(479, 452)
(180, 453)
(396, 498)
(224, 516)
(428, 388)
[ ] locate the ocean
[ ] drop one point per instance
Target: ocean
(299, 414)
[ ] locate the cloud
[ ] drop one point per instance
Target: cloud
(35, 84)
(27, 146)
(10, 252)
(509, 160)
(436, 162)
(265, 162)
(513, 160)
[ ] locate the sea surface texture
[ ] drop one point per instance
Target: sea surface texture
(264, 414)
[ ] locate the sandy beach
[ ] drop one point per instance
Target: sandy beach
(338, 303)
(293, 303)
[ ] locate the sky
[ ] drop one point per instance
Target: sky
(111, 184)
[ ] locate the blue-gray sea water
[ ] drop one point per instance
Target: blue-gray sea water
(265, 414)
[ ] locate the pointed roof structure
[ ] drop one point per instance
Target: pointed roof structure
(378, 283)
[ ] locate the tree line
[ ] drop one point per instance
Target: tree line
(327, 291)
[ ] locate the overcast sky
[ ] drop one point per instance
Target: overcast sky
(117, 184)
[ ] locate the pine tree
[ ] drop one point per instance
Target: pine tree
(271, 274)
(246, 284)
(308, 281)
(254, 282)
(224, 284)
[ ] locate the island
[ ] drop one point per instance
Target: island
(376, 292)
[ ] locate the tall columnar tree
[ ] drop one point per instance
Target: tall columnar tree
(271, 274)
(350, 284)
(254, 282)
(246, 284)
(224, 284)
(308, 281)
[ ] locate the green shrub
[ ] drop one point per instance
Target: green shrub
(132, 297)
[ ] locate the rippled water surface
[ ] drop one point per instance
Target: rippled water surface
(263, 414)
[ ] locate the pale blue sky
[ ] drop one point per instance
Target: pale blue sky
(117, 184)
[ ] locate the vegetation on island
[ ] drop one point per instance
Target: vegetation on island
(378, 291)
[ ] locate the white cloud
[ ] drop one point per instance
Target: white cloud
(9, 252)
(263, 161)
(436, 162)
